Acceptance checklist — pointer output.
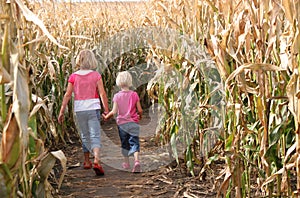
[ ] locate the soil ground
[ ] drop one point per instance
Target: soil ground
(161, 176)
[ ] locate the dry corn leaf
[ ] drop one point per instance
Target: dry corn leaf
(63, 160)
(289, 10)
(254, 67)
(44, 169)
(4, 75)
(280, 172)
(11, 143)
(30, 16)
(225, 183)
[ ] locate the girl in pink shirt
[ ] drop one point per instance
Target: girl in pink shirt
(127, 106)
(87, 85)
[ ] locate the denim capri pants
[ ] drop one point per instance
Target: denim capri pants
(90, 129)
(129, 136)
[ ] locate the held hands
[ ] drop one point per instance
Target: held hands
(105, 116)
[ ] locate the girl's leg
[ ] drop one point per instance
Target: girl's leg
(137, 165)
(87, 164)
(97, 166)
(86, 153)
(135, 149)
(134, 142)
(126, 164)
(136, 156)
(83, 130)
(95, 131)
(124, 137)
(86, 156)
(126, 160)
(96, 152)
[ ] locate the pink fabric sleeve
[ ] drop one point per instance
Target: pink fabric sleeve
(71, 79)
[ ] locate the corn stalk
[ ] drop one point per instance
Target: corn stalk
(250, 47)
(25, 165)
(186, 83)
(249, 41)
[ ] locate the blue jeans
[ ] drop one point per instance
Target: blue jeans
(89, 128)
(129, 136)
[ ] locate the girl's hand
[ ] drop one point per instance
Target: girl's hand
(140, 115)
(60, 118)
(107, 115)
(104, 116)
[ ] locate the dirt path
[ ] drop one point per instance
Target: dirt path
(160, 177)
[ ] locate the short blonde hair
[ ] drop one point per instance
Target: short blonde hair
(86, 60)
(124, 79)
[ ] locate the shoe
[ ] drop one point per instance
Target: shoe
(87, 165)
(137, 167)
(98, 169)
(126, 165)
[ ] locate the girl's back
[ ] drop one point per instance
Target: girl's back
(126, 101)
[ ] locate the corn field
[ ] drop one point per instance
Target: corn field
(224, 73)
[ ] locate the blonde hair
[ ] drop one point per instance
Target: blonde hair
(124, 79)
(86, 60)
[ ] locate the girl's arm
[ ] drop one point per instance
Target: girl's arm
(65, 101)
(112, 112)
(103, 96)
(139, 109)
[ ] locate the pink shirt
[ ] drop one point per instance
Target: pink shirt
(126, 101)
(85, 90)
